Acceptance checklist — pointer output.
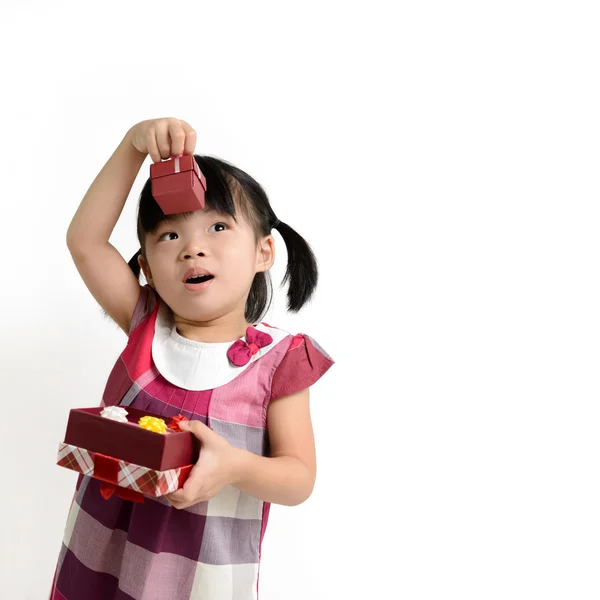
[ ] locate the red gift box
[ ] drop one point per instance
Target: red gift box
(123, 454)
(128, 480)
(178, 185)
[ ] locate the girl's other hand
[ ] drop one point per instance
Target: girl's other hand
(219, 465)
(163, 138)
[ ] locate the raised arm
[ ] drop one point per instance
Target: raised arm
(104, 271)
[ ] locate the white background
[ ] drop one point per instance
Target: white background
(442, 160)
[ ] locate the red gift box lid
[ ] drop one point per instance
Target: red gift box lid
(87, 429)
(185, 162)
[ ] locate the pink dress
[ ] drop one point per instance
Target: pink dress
(120, 550)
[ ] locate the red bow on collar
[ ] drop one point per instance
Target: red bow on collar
(240, 352)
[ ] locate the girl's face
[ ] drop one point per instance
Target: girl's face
(214, 241)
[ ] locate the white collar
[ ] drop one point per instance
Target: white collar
(193, 365)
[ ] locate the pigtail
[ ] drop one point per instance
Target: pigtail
(134, 265)
(301, 271)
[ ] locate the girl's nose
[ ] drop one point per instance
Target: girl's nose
(191, 250)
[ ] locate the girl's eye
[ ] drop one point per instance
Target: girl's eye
(166, 233)
(217, 224)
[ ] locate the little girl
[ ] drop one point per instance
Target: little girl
(196, 346)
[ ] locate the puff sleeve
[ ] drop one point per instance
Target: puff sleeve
(304, 363)
(145, 305)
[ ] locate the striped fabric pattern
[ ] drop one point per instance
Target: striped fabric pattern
(116, 549)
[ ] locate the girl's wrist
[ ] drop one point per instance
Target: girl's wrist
(128, 143)
(238, 465)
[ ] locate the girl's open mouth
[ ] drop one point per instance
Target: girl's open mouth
(201, 282)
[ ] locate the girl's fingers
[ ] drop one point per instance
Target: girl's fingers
(176, 496)
(151, 145)
(177, 137)
(169, 137)
(190, 138)
(162, 138)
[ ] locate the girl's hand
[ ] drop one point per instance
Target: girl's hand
(217, 467)
(163, 138)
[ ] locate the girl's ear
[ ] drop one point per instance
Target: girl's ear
(266, 254)
(146, 270)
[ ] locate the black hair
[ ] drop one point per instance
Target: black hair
(223, 182)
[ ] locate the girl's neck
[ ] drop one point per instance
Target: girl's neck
(218, 331)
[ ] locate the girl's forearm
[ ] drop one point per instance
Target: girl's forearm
(280, 480)
(103, 203)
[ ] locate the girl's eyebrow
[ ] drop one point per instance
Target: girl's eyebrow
(211, 211)
(220, 214)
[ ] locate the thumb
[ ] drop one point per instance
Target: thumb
(199, 429)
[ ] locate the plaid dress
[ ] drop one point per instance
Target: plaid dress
(116, 549)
